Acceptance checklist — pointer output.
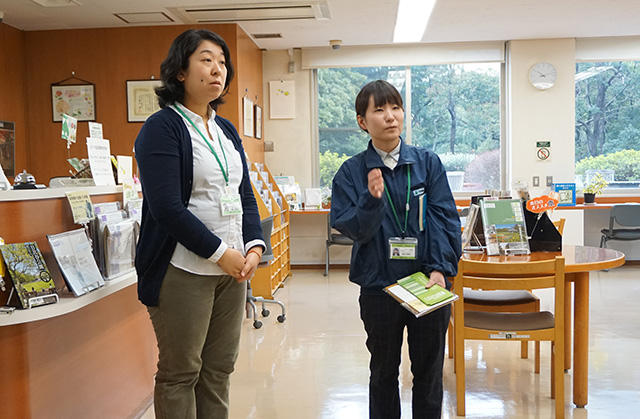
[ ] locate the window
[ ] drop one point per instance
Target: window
(339, 135)
(607, 133)
(454, 111)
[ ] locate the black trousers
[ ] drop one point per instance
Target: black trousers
(384, 321)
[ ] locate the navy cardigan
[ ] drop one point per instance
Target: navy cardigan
(165, 161)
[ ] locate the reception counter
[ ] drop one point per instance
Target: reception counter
(92, 356)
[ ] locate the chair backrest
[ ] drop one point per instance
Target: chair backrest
(510, 276)
(627, 215)
(267, 226)
(559, 225)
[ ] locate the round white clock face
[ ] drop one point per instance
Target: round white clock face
(542, 76)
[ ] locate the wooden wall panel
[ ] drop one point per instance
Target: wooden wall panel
(106, 57)
(97, 362)
(250, 82)
(12, 89)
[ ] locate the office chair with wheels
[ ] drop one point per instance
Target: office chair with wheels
(267, 256)
(334, 238)
(626, 215)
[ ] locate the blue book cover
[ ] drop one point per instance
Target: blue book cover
(567, 192)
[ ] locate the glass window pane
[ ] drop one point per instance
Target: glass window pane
(607, 134)
(456, 113)
(340, 136)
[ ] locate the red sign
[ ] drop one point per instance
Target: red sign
(541, 204)
(543, 153)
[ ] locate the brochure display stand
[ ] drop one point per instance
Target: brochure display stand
(271, 202)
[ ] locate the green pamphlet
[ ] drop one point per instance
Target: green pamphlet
(412, 293)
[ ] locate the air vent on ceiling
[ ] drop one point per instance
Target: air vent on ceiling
(144, 17)
(239, 12)
(57, 3)
(266, 35)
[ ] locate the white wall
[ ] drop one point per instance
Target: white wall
(540, 115)
(293, 155)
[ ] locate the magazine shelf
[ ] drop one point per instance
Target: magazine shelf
(270, 277)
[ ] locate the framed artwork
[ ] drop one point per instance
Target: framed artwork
(247, 106)
(142, 101)
(258, 124)
(78, 101)
(7, 147)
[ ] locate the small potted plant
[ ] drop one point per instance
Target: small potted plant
(593, 188)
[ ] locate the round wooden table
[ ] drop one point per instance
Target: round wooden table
(579, 261)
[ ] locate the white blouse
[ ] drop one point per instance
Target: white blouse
(208, 186)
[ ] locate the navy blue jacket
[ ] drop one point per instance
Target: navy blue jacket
(165, 160)
(369, 221)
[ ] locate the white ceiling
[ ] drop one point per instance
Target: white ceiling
(365, 22)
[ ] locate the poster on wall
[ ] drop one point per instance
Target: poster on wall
(247, 105)
(282, 99)
(7, 147)
(142, 100)
(77, 101)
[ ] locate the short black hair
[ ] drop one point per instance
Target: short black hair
(177, 60)
(382, 91)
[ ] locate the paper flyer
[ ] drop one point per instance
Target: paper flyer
(100, 161)
(95, 130)
(125, 169)
(81, 206)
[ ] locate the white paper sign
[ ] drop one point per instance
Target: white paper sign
(95, 130)
(282, 99)
(99, 153)
(125, 169)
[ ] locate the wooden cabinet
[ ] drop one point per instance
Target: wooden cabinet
(271, 202)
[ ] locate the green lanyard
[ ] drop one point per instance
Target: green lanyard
(406, 208)
(225, 175)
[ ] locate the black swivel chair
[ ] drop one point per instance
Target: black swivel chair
(334, 238)
(267, 256)
(625, 215)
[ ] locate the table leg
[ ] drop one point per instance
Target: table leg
(567, 321)
(581, 339)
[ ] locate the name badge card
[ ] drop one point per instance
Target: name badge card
(230, 203)
(403, 249)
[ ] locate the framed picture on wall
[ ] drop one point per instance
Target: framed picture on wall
(142, 101)
(258, 124)
(247, 106)
(78, 101)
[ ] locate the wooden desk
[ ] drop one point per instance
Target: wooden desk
(579, 261)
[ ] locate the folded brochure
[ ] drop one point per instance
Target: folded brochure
(412, 293)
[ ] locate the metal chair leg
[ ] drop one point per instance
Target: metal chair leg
(326, 260)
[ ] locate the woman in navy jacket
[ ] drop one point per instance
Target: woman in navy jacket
(376, 200)
(200, 236)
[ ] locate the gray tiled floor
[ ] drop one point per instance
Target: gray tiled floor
(315, 364)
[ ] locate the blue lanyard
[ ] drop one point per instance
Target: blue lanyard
(225, 175)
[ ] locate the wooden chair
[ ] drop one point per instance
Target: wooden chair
(507, 302)
(537, 326)
(559, 225)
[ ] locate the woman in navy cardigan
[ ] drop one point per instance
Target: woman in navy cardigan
(200, 237)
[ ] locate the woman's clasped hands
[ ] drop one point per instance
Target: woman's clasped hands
(239, 266)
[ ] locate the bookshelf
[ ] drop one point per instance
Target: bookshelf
(270, 199)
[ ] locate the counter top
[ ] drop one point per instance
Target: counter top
(68, 304)
(48, 193)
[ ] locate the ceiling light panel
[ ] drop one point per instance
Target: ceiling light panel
(144, 17)
(57, 3)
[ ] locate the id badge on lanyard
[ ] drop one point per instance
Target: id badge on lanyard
(230, 202)
(402, 248)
